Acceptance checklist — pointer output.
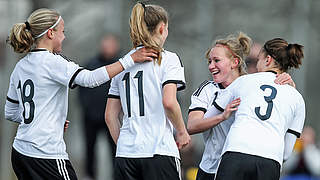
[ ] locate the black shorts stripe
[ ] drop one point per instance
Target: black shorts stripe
(294, 133)
(113, 96)
(175, 82)
(204, 110)
(71, 85)
(26, 167)
(12, 100)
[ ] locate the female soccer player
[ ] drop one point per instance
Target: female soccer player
(38, 95)
(225, 62)
(146, 94)
(267, 121)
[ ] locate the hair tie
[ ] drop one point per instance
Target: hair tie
(143, 5)
(27, 25)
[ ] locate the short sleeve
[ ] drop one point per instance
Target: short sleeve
(62, 70)
(114, 88)
(202, 97)
(296, 125)
(174, 71)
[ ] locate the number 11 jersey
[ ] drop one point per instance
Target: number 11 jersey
(146, 130)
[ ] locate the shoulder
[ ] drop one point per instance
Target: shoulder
(206, 87)
(62, 57)
(171, 57)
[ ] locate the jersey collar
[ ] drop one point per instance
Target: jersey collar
(272, 71)
(39, 49)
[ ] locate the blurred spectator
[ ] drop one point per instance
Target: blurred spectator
(251, 60)
(304, 163)
(93, 102)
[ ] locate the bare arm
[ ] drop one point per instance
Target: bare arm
(197, 123)
(173, 112)
(113, 109)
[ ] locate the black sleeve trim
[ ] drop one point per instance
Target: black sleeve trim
(71, 85)
(294, 133)
(175, 82)
(113, 96)
(180, 60)
(12, 100)
(204, 110)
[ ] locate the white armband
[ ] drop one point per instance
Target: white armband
(126, 61)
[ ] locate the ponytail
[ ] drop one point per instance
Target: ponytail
(286, 55)
(20, 38)
(143, 22)
(23, 35)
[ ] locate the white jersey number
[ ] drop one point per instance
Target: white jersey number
(268, 99)
(27, 99)
(126, 78)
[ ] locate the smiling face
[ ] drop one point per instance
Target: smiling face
(220, 65)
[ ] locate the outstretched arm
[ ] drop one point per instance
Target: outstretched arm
(140, 56)
(95, 78)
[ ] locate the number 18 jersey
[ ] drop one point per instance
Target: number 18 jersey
(266, 113)
(39, 85)
(146, 130)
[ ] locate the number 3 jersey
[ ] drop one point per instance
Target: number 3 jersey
(39, 85)
(146, 130)
(266, 113)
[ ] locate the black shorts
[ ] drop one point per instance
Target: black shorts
(158, 167)
(235, 165)
(29, 168)
(201, 175)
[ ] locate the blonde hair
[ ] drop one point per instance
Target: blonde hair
(143, 22)
(23, 35)
(238, 46)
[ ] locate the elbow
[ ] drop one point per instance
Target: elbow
(190, 128)
(169, 104)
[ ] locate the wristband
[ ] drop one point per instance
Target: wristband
(126, 61)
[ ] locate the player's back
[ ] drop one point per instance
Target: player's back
(266, 112)
(146, 130)
(40, 84)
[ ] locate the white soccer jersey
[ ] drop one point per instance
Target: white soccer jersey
(146, 130)
(214, 138)
(39, 84)
(266, 113)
